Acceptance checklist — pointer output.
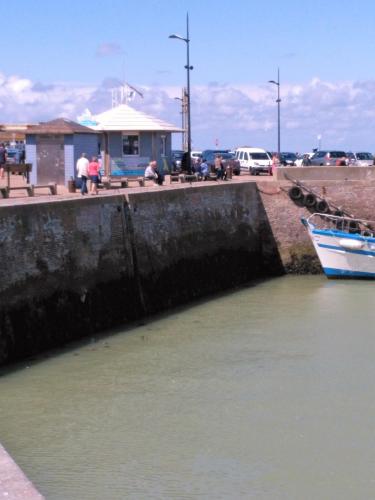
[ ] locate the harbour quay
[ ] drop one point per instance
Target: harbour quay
(73, 266)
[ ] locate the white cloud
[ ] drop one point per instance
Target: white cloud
(108, 49)
(342, 112)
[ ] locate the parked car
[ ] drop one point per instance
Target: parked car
(351, 159)
(13, 155)
(195, 155)
(364, 159)
(228, 158)
(328, 158)
(288, 159)
(254, 160)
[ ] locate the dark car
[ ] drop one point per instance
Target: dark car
(329, 158)
(13, 155)
(228, 159)
(288, 159)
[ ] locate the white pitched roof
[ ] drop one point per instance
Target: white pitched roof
(123, 118)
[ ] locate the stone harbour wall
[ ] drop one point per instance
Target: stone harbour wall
(294, 247)
(76, 267)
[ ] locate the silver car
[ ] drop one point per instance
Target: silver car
(329, 158)
(364, 159)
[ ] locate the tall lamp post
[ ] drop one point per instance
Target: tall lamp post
(278, 100)
(188, 69)
(183, 118)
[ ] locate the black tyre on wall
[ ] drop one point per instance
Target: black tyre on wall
(322, 207)
(295, 193)
(309, 200)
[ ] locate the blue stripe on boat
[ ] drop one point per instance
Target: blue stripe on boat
(332, 272)
(334, 247)
(333, 233)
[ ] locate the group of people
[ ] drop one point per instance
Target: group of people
(88, 170)
(203, 169)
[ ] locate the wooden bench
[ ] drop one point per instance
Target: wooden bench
(30, 188)
(113, 181)
(52, 186)
(188, 177)
(174, 176)
(6, 190)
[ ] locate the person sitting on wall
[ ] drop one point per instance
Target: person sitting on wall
(205, 170)
(197, 168)
(152, 173)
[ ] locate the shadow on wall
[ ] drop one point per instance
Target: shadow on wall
(272, 261)
(231, 246)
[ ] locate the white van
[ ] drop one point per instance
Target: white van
(254, 160)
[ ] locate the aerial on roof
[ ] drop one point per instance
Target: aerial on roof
(124, 117)
(59, 126)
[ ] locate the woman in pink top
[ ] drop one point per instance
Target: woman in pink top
(94, 168)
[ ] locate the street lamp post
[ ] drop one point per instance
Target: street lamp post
(188, 69)
(278, 100)
(183, 118)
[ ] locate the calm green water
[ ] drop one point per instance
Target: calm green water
(265, 393)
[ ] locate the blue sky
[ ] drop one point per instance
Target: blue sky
(59, 58)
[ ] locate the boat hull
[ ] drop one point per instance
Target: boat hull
(343, 255)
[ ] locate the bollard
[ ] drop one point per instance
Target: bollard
(71, 185)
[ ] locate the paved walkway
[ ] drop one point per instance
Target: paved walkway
(20, 196)
(14, 485)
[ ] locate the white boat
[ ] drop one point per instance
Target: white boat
(345, 246)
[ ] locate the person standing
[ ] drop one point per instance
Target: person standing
(94, 168)
(83, 172)
(275, 164)
(219, 167)
(3, 159)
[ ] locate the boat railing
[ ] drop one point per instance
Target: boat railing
(344, 224)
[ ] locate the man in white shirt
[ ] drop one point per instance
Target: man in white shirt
(150, 172)
(83, 172)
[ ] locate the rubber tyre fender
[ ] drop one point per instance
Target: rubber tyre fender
(295, 193)
(322, 207)
(309, 200)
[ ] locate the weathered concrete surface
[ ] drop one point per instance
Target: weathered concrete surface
(67, 270)
(199, 240)
(75, 266)
(78, 266)
(284, 215)
(14, 485)
(327, 173)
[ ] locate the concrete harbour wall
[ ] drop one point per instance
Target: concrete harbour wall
(75, 267)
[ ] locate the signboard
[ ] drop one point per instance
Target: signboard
(129, 166)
